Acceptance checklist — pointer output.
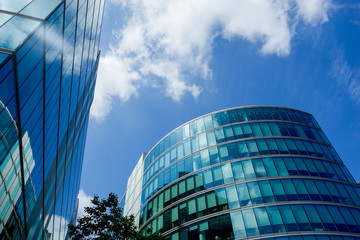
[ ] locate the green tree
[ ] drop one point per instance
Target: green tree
(104, 220)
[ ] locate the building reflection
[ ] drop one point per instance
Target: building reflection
(11, 212)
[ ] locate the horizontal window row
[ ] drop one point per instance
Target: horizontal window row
(275, 219)
(242, 131)
(247, 169)
(315, 237)
(246, 194)
(293, 218)
(241, 149)
(216, 228)
(226, 117)
(194, 233)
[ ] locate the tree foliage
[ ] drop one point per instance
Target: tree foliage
(104, 220)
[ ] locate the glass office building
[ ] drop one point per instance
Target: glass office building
(245, 173)
(48, 64)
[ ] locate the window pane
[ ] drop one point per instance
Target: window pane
(214, 156)
(266, 190)
(301, 218)
(262, 146)
(242, 148)
(196, 161)
(191, 206)
(326, 217)
(221, 199)
(202, 141)
(289, 218)
(205, 159)
(237, 131)
(265, 129)
(219, 133)
(174, 214)
(275, 219)
(211, 138)
(228, 133)
(243, 193)
(238, 171)
(255, 193)
(208, 122)
(248, 169)
(278, 190)
(280, 166)
(253, 149)
(313, 218)
(259, 168)
(256, 129)
(274, 129)
(218, 176)
(250, 222)
(223, 152)
(263, 220)
(208, 178)
(211, 201)
(232, 197)
(290, 165)
(301, 189)
(270, 167)
(338, 218)
(227, 173)
(247, 130)
(272, 146)
(201, 203)
(238, 224)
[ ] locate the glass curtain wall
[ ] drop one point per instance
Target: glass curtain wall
(247, 173)
(48, 65)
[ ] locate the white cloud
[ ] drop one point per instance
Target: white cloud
(84, 201)
(165, 43)
(348, 77)
(314, 11)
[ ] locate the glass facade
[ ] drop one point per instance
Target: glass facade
(49, 56)
(245, 173)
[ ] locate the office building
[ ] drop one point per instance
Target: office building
(245, 173)
(48, 65)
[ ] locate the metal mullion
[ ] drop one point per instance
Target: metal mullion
(67, 131)
(7, 51)
(20, 139)
(43, 135)
(77, 107)
(20, 15)
(67, 168)
(88, 54)
(77, 166)
(60, 94)
(102, 18)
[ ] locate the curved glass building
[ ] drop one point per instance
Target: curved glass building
(245, 173)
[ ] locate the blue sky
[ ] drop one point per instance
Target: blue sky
(165, 62)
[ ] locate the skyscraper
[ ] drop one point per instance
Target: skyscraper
(245, 173)
(48, 65)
